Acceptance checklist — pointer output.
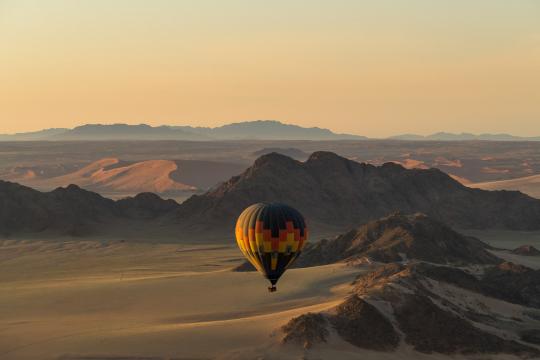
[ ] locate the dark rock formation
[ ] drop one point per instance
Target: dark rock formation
(70, 210)
(431, 315)
(400, 237)
(429, 329)
(507, 281)
(513, 283)
(526, 250)
(361, 324)
(531, 336)
(306, 330)
(434, 321)
(294, 153)
(355, 320)
(396, 238)
(332, 191)
(244, 267)
(145, 205)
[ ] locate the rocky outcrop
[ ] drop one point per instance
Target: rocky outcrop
(145, 205)
(355, 321)
(430, 328)
(294, 153)
(526, 250)
(334, 192)
(513, 283)
(531, 336)
(400, 238)
(246, 266)
(306, 330)
(361, 324)
(71, 210)
(432, 308)
(396, 238)
(506, 281)
(434, 317)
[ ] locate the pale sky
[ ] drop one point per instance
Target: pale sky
(374, 68)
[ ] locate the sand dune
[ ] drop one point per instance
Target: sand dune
(115, 178)
(110, 175)
(460, 179)
(529, 185)
(447, 162)
(18, 174)
(412, 164)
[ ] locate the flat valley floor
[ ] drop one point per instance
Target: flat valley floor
(116, 300)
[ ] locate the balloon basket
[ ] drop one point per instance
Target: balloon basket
(272, 288)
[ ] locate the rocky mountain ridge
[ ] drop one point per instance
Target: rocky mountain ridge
(414, 305)
(71, 210)
(333, 193)
(337, 193)
(396, 238)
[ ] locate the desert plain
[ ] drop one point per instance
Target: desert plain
(99, 299)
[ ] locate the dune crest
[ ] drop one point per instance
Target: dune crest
(109, 174)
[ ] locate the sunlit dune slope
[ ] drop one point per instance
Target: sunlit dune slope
(529, 185)
(110, 174)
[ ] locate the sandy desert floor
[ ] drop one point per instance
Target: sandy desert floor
(529, 185)
(72, 300)
(114, 300)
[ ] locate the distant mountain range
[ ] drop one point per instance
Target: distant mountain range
(267, 130)
(33, 135)
(250, 130)
(444, 136)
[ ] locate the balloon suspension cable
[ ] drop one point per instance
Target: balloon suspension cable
(272, 288)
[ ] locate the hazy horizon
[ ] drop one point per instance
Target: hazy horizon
(286, 123)
(370, 68)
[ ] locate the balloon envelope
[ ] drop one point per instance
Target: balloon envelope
(271, 236)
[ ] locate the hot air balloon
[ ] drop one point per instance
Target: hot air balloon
(271, 237)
